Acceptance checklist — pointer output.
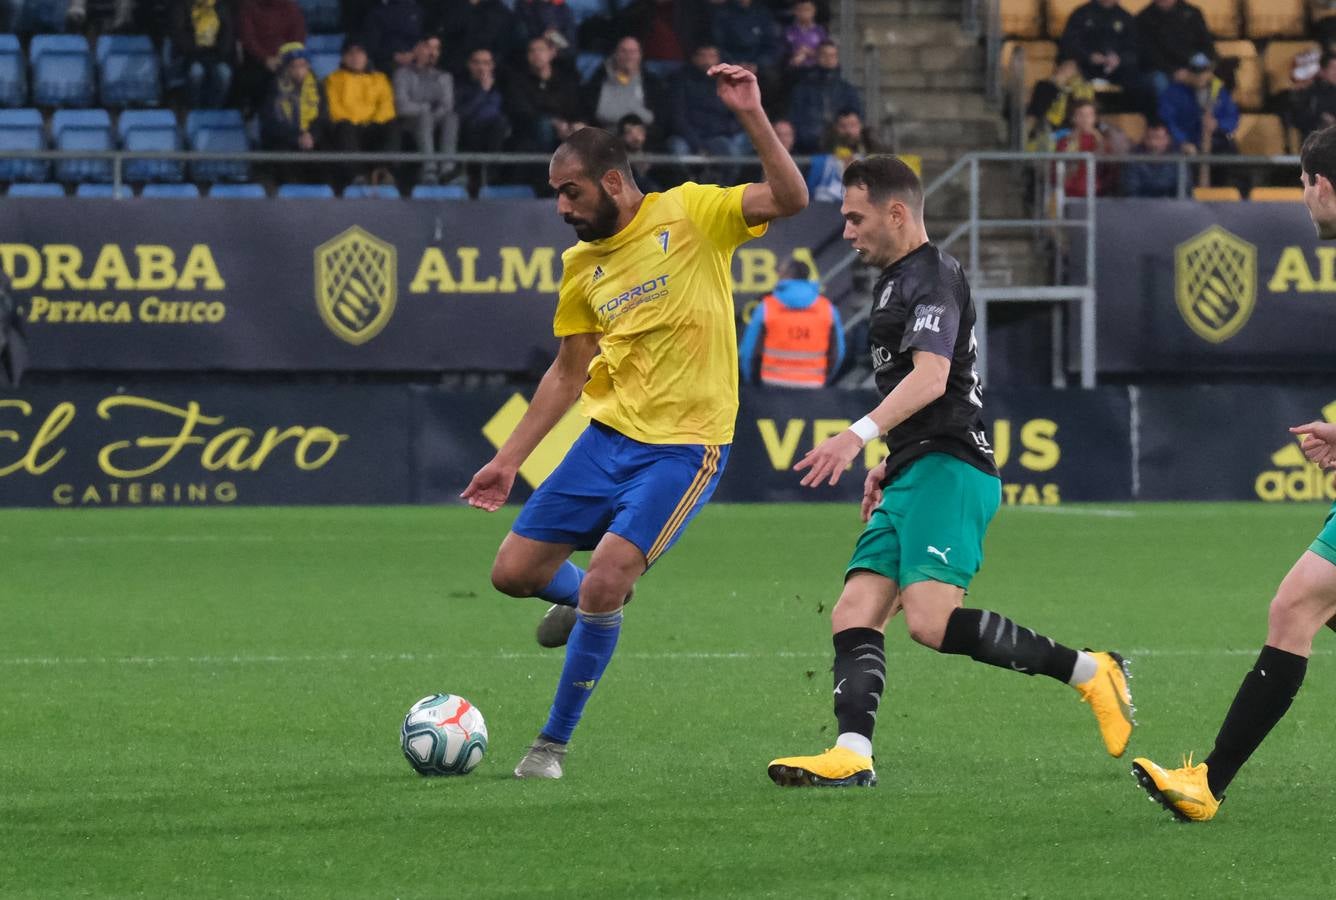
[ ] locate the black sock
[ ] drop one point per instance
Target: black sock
(860, 677)
(1262, 700)
(994, 639)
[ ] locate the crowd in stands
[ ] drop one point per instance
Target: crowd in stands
(1162, 77)
(444, 76)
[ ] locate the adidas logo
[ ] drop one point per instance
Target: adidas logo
(598, 273)
(1294, 477)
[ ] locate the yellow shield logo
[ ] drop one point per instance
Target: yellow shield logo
(1216, 283)
(355, 284)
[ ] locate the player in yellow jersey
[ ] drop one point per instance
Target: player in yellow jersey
(645, 318)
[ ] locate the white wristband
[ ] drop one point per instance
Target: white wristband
(866, 429)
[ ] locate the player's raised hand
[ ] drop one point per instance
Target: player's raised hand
(1318, 442)
(829, 459)
(737, 87)
(872, 489)
(490, 487)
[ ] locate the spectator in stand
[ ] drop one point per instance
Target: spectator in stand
(797, 331)
(483, 125)
(1199, 111)
(1314, 107)
(1086, 136)
(700, 123)
(551, 19)
(746, 34)
(1153, 179)
(466, 25)
(424, 98)
(803, 38)
(635, 138)
(787, 136)
(540, 97)
(846, 141)
(294, 115)
(392, 29)
(621, 88)
(1047, 114)
(263, 26)
(203, 46)
(107, 16)
(1101, 37)
(667, 29)
(361, 110)
(1169, 34)
(818, 96)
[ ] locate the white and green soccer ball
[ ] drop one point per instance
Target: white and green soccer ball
(443, 734)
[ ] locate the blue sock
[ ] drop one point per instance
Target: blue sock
(564, 588)
(587, 654)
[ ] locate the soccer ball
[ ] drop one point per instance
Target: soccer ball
(443, 734)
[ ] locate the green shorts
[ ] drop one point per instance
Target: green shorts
(1324, 545)
(930, 524)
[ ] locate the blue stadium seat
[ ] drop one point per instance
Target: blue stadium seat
(324, 43)
(506, 192)
(323, 63)
(21, 129)
(217, 131)
(102, 191)
(13, 72)
(150, 130)
(372, 192)
(44, 189)
(82, 129)
(173, 191)
(306, 191)
(62, 70)
(663, 68)
(586, 64)
(584, 9)
(440, 192)
(321, 15)
(128, 70)
(46, 15)
(247, 191)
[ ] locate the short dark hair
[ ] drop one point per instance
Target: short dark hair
(630, 120)
(1318, 154)
(885, 177)
(598, 151)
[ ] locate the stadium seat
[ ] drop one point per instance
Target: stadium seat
(586, 64)
(663, 69)
(62, 70)
(440, 192)
(1274, 18)
(150, 130)
(506, 192)
(1038, 60)
(1278, 61)
(128, 70)
(324, 43)
(1260, 134)
(102, 191)
(41, 16)
(1021, 19)
(321, 15)
(1248, 93)
(586, 9)
(322, 64)
(82, 129)
(42, 189)
(372, 192)
(171, 191)
(1131, 124)
(305, 192)
(1057, 13)
(246, 191)
(21, 129)
(1216, 194)
(217, 131)
(1277, 195)
(13, 72)
(1135, 6)
(1222, 17)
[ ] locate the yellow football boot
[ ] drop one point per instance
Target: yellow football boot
(837, 767)
(1184, 792)
(1110, 700)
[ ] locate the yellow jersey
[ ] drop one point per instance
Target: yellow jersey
(659, 293)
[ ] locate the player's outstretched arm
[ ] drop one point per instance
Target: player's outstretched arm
(1318, 443)
(784, 191)
(556, 394)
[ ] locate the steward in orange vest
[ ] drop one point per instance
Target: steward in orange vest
(797, 334)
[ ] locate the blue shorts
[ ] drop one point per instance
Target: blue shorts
(646, 493)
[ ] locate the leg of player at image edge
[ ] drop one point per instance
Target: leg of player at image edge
(1099, 678)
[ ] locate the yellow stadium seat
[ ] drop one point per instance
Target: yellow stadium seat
(1260, 134)
(1278, 60)
(1131, 124)
(1248, 92)
(1217, 194)
(1277, 194)
(1222, 17)
(1058, 12)
(1021, 18)
(1274, 18)
(1136, 6)
(1040, 57)
(913, 160)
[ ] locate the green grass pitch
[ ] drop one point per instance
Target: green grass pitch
(206, 703)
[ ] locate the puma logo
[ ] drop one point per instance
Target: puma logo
(840, 685)
(942, 553)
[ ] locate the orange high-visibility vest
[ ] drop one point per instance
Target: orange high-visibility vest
(797, 343)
